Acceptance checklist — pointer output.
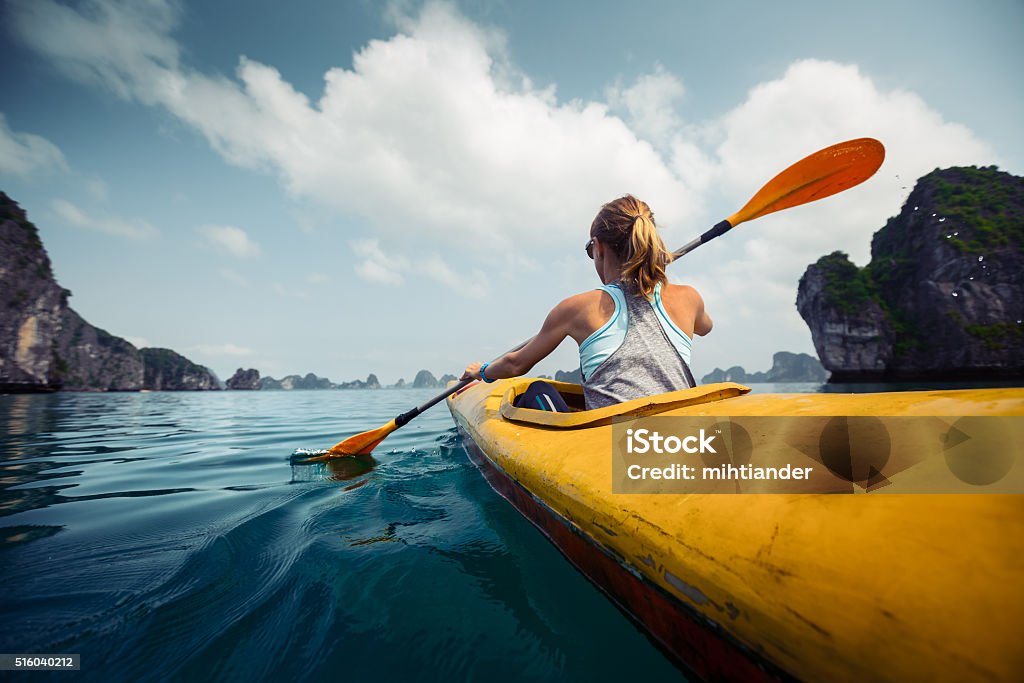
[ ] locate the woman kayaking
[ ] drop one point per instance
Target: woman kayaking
(635, 332)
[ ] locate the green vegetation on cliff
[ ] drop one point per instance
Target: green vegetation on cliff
(997, 335)
(983, 205)
(847, 287)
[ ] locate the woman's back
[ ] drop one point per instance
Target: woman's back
(595, 308)
(639, 350)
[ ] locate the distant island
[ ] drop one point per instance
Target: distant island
(943, 295)
(786, 367)
(249, 379)
(570, 376)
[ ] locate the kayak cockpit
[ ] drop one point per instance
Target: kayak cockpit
(641, 407)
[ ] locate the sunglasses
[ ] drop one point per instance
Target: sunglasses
(589, 248)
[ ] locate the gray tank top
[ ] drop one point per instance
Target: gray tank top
(645, 364)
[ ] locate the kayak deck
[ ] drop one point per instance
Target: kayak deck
(818, 587)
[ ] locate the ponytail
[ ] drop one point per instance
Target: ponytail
(627, 226)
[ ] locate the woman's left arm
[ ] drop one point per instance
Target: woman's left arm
(515, 363)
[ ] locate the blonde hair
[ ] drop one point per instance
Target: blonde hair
(626, 225)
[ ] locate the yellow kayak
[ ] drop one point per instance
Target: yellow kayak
(745, 586)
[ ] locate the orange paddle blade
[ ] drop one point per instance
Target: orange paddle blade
(817, 176)
(362, 444)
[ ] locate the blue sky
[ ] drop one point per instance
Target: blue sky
(357, 187)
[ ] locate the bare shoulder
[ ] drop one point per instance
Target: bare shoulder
(583, 313)
(581, 302)
(578, 306)
(685, 304)
(588, 297)
(682, 293)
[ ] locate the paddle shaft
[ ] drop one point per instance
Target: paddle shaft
(719, 229)
(404, 418)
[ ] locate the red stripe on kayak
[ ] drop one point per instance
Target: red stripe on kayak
(696, 643)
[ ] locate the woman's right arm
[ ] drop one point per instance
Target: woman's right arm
(555, 329)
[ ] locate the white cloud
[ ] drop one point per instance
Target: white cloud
(289, 292)
(118, 44)
(24, 153)
(225, 349)
(374, 271)
(391, 269)
(650, 104)
(317, 278)
(118, 227)
(376, 266)
(432, 130)
(234, 277)
(233, 240)
(472, 284)
(138, 342)
(97, 188)
(816, 103)
(433, 136)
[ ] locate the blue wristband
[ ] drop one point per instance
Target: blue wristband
(482, 375)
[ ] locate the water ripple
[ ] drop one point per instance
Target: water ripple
(171, 535)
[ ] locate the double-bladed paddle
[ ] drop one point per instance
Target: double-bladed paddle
(815, 177)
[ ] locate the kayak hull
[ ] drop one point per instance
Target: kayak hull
(773, 586)
(679, 631)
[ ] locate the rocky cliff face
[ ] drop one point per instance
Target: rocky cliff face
(244, 380)
(943, 295)
(424, 380)
(31, 303)
(849, 331)
(91, 359)
(166, 370)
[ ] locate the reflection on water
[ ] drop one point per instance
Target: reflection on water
(169, 535)
(11, 536)
(338, 469)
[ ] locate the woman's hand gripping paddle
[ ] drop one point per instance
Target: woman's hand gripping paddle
(815, 177)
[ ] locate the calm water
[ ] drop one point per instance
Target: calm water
(168, 536)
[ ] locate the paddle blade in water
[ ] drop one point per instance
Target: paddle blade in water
(815, 177)
(364, 443)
